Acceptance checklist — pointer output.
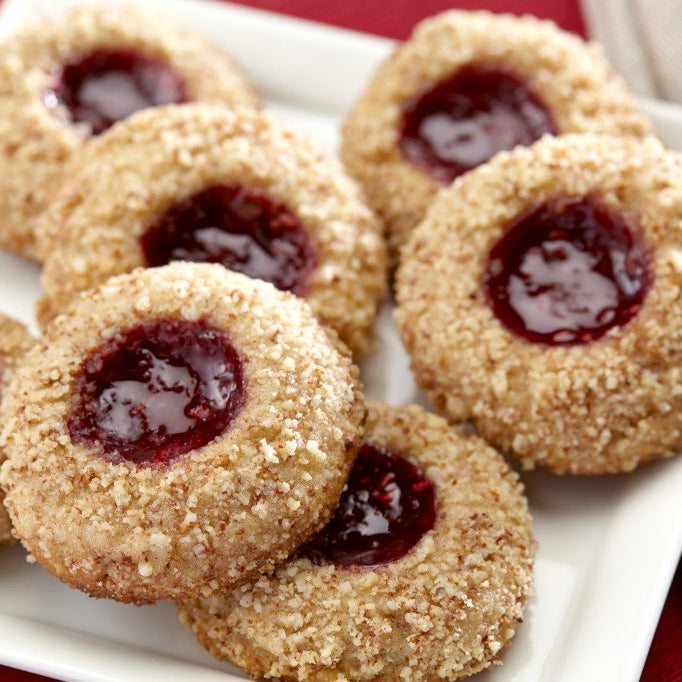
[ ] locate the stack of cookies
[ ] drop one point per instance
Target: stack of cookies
(191, 425)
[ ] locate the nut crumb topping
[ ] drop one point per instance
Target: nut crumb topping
(221, 514)
(14, 342)
(603, 407)
(572, 77)
(91, 233)
(444, 611)
(37, 148)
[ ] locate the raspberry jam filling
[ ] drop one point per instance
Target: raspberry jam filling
(238, 227)
(567, 272)
(466, 119)
(157, 391)
(386, 507)
(107, 86)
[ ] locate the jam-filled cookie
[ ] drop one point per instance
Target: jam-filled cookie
(64, 81)
(421, 574)
(542, 299)
(202, 183)
(181, 430)
(465, 86)
(14, 342)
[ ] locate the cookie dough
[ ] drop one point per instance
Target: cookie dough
(541, 299)
(64, 80)
(422, 573)
(182, 430)
(202, 183)
(465, 86)
(14, 342)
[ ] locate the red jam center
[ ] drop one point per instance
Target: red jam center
(567, 272)
(107, 86)
(386, 507)
(469, 117)
(238, 227)
(157, 391)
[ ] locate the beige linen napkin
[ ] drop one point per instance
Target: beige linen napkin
(643, 40)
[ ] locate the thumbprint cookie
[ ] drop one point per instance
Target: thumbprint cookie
(464, 87)
(202, 183)
(541, 298)
(182, 429)
(421, 574)
(64, 81)
(14, 342)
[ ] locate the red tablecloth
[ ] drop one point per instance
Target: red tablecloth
(395, 19)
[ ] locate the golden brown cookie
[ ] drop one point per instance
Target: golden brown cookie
(14, 342)
(63, 80)
(5, 523)
(199, 182)
(541, 298)
(422, 573)
(182, 430)
(466, 85)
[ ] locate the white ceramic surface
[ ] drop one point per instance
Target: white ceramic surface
(608, 546)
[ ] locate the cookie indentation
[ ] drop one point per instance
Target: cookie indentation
(239, 227)
(156, 392)
(386, 507)
(467, 118)
(567, 272)
(106, 86)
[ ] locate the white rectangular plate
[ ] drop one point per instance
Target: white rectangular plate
(608, 546)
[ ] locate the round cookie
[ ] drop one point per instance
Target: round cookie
(466, 85)
(181, 430)
(541, 299)
(199, 182)
(14, 342)
(63, 79)
(444, 607)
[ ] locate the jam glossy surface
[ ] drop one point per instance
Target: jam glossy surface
(106, 86)
(567, 272)
(386, 507)
(156, 392)
(469, 117)
(238, 227)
